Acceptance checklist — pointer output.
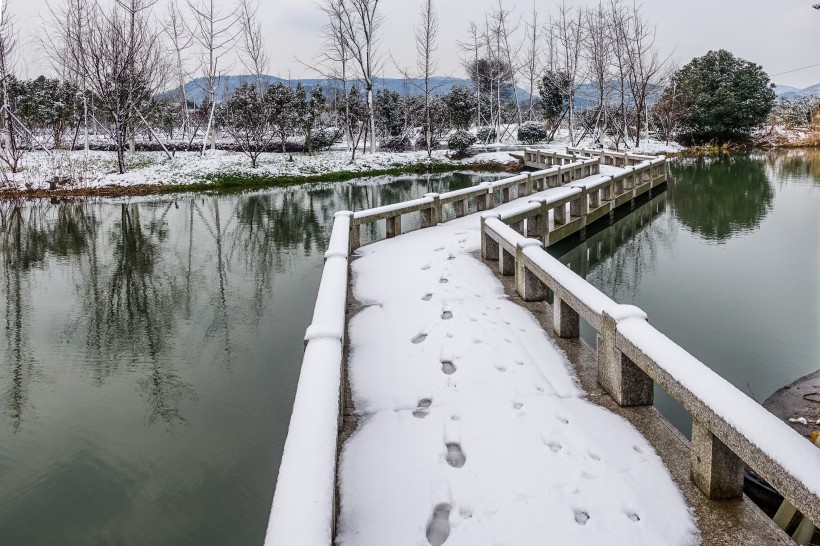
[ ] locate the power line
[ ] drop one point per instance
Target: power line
(795, 70)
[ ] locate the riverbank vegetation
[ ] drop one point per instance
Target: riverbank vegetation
(142, 97)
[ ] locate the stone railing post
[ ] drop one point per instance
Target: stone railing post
(617, 374)
(559, 215)
(565, 319)
(432, 216)
(393, 226)
(355, 235)
(486, 202)
(528, 286)
(489, 247)
(578, 207)
(716, 470)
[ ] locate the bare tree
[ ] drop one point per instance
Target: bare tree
(360, 22)
(253, 52)
(214, 30)
(181, 40)
(531, 61)
(426, 33)
(618, 35)
(122, 61)
(644, 68)
(334, 59)
(568, 31)
(598, 56)
(472, 48)
(11, 149)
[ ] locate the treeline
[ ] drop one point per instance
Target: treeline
(594, 72)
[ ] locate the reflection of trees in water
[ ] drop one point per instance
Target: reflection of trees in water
(795, 165)
(717, 198)
(19, 254)
(616, 258)
(271, 228)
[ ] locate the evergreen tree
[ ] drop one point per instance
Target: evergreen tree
(281, 100)
(461, 106)
(723, 96)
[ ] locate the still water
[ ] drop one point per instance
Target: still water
(149, 357)
(726, 263)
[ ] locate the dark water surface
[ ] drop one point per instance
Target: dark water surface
(149, 357)
(726, 263)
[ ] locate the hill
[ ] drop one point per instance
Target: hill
(793, 93)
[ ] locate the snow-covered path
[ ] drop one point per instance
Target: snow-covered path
(473, 430)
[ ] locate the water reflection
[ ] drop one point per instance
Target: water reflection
(159, 341)
(798, 165)
(721, 197)
(618, 255)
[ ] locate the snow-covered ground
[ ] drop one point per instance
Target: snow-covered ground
(154, 168)
(473, 428)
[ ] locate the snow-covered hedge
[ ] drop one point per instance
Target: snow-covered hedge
(531, 132)
(396, 144)
(460, 141)
(486, 134)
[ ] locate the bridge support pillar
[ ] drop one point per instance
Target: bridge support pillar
(432, 216)
(489, 247)
(506, 263)
(393, 226)
(528, 286)
(565, 319)
(485, 202)
(716, 470)
(625, 382)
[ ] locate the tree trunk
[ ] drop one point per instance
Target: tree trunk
(372, 125)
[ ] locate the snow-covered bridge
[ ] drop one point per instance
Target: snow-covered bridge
(437, 403)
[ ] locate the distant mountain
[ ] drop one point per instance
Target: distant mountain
(195, 89)
(793, 93)
(585, 97)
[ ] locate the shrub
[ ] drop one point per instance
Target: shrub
(324, 138)
(486, 134)
(531, 132)
(399, 143)
(460, 141)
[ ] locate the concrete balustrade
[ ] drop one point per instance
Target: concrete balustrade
(430, 206)
(729, 430)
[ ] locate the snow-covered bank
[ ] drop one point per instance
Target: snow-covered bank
(473, 428)
(98, 169)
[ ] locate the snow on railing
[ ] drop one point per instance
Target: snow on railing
(729, 428)
(430, 206)
(303, 510)
(566, 210)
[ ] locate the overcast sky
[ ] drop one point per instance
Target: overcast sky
(782, 35)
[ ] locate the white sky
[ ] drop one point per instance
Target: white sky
(782, 35)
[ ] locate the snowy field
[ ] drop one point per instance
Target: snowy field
(154, 168)
(99, 169)
(473, 428)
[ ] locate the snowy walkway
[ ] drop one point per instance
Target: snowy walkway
(472, 429)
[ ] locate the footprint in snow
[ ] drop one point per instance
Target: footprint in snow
(419, 338)
(423, 408)
(518, 405)
(455, 457)
(444, 280)
(633, 516)
(555, 447)
(426, 267)
(438, 528)
(439, 249)
(581, 517)
(446, 315)
(448, 367)
(427, 297)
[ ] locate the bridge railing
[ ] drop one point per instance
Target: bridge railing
(430, 206)
(728, 428)
(579, 203)
(303, 510)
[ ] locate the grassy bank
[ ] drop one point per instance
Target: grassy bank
(243, 181)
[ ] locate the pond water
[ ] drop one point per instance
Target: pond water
(726, 263)
(150, 353)
(151, 348)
